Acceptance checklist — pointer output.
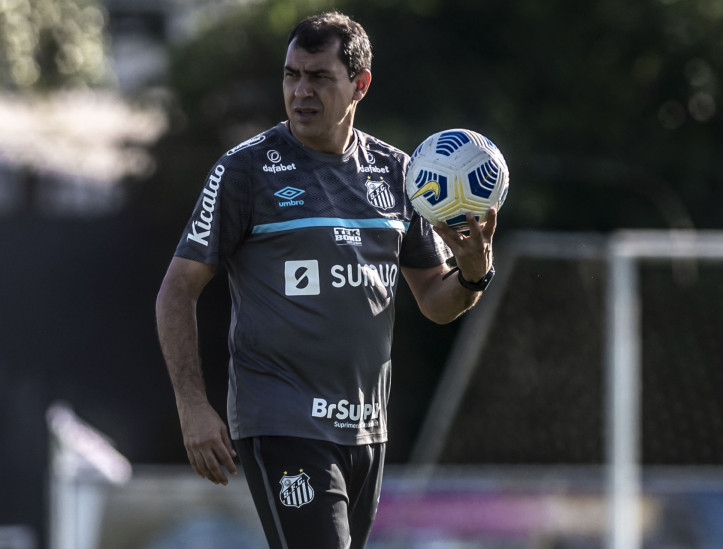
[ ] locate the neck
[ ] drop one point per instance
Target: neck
(329, 145)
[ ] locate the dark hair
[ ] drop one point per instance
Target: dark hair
(316, 32)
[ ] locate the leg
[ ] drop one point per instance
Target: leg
(366, 486)
(299, 491)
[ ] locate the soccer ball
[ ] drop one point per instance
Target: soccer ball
(454, 172)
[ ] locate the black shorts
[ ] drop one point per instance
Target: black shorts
(313, 493)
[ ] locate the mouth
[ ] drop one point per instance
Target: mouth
(303, 114)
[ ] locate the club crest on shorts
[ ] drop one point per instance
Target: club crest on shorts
(379, 194)
(296, 490)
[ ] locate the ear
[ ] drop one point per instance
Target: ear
(361, 84)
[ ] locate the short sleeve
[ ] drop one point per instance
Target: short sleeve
(221, 217)
(422, 247)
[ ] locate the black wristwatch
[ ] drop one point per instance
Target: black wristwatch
(480, 286)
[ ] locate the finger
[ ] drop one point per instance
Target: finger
(490, 224)
(475, 228)
(442, 229)
(227, 457)
(448, 235)
(216, 474)
(198, 466)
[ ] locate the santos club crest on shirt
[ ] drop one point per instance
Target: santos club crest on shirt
(296, 490)
(379, 194)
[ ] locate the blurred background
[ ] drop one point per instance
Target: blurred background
(609, 115)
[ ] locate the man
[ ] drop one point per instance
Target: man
(312, 223)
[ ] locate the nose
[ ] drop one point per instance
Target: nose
(303, 88)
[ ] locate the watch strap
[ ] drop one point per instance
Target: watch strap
(480, 286)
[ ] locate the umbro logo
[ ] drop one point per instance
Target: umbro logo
(288, 194)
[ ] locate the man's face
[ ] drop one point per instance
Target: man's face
(320, 99)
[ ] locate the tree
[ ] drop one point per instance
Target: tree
(607, 112)
(46, 44)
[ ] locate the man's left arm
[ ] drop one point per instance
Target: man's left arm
(443, 298)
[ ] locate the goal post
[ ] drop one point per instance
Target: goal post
(622, 255)
(627, 249)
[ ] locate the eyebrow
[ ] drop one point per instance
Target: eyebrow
(319, 72)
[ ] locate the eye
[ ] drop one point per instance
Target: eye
(322, 75)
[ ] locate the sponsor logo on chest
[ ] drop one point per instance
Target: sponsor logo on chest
(276, 165)
(343, 236)
(373, 169)
(303, 277)
(370, 167)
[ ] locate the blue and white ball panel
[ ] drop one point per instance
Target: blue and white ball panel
(454, 172)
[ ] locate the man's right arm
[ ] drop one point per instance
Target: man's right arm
(205, 435)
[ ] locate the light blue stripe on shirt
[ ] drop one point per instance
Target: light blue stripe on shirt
(375, 223)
